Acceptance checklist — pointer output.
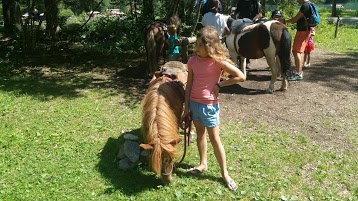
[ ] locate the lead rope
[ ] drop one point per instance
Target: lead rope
(187, 129)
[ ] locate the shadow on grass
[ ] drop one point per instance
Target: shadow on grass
(129, 182)
(67, 73)
(140, 178)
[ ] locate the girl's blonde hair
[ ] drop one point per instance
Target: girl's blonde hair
(216, 50)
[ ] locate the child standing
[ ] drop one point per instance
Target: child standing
(201, 96)
(276, 15)
(309, 49)
(173, 49)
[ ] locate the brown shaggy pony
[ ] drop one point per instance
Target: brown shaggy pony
(162, 107)
(155, 42)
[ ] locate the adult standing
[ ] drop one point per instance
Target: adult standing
(301, 38)
(250, 9)
(215, 19)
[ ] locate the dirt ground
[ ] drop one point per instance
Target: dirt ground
(323, 106)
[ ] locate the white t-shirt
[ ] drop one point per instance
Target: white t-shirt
(216, 20)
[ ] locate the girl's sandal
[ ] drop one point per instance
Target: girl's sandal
(231, 184)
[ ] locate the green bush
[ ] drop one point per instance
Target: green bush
(64, 15)
(121, 34)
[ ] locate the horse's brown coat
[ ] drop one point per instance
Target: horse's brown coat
(270, 39)
(262, 34)
(162, 107)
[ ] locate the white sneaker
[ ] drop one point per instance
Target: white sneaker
(306, 65)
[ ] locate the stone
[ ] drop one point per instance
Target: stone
(125, 164)
(129, 136)
(121, 153)
(132, 150)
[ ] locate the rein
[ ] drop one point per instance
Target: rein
(186, 126)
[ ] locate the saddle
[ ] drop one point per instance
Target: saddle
(175, 70)
(240, 24)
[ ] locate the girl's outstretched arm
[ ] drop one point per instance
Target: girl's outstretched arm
(236, 74)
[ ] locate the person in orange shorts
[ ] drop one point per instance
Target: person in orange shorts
(301, 38)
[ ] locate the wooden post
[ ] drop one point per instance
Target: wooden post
(184, 42)
(337, 24)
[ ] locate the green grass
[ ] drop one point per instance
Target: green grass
(60, 133)
(345, 40)
(57, 145)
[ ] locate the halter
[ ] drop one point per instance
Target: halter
(167, 173)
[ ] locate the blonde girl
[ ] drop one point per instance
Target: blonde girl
(201, 96)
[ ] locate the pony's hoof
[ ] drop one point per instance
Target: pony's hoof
(270, 91)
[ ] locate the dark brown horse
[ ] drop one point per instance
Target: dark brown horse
(270, 39)
(162, 107)
(155, 42)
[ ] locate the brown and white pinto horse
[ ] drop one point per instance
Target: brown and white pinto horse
(155, 42)
(162, 107)
(270, 39)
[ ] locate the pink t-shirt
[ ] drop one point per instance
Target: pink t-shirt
(206, 73)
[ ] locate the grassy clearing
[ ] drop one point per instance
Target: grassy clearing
(60, 132)
(63, 146)
(345, 40)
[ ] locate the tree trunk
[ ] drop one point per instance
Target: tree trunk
(263, 8)
(12, 17)
(334, 8)
(148, 11)
(51, 17)
(197, 16)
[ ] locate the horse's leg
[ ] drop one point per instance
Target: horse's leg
(271, 61)
(243, 64)
(281, 73)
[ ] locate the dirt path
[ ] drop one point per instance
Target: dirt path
(323, 106)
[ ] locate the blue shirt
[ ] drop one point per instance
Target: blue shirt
(173, 49)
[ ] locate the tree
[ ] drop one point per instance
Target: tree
(51, 17)
(334, 8)
(12, 17)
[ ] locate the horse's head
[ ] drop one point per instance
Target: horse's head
(166, 165)
(175, 70)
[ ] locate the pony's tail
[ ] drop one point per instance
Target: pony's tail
(151, 51)
(285, 51)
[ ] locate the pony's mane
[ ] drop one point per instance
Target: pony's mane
(161, 109)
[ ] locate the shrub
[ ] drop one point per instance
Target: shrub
(64, 15)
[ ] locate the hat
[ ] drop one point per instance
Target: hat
(276, 13)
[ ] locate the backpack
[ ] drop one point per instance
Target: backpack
(313, 17)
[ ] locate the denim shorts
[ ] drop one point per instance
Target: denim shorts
(208, 115)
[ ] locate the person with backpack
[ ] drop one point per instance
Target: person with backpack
(302, 36)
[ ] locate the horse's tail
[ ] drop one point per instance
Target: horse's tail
(151, 50)
(285, 51)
